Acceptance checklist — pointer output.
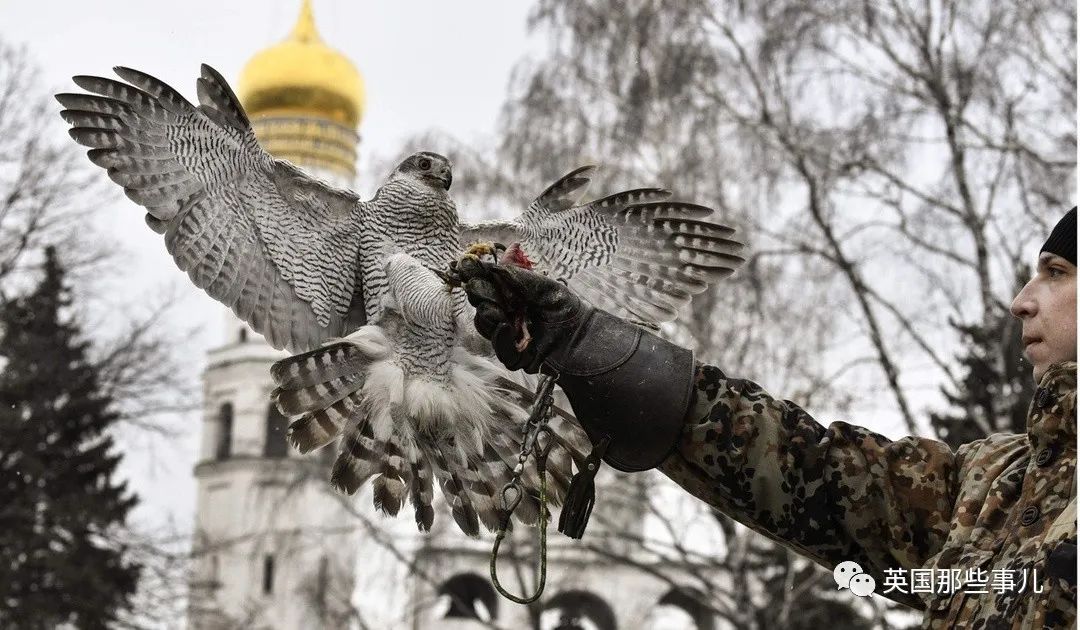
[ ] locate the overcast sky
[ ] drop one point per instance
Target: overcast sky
(427, 64)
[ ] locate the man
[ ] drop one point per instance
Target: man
(998, 509)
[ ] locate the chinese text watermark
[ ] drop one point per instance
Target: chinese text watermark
(974, 581)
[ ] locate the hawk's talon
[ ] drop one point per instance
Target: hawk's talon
(450, 277)
(479, 250)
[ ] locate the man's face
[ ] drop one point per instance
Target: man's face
(1047, 306)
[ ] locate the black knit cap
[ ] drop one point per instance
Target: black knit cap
(1062, 240)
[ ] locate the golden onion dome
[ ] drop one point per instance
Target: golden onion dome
(303, 75)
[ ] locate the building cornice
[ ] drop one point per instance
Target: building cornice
(208, 469)
(247, 352)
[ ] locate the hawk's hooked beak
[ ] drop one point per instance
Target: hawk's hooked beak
(446, 178)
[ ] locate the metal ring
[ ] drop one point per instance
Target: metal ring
(509, 504)
(542, 450)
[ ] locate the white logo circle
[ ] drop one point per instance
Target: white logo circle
(844, 572)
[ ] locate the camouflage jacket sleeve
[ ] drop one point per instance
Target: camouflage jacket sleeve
(832, 493)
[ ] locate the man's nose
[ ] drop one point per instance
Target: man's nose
(1023, 305)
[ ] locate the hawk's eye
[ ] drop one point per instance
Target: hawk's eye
(424, 164)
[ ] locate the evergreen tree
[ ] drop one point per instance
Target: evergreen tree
(60, 564)
(996, 388)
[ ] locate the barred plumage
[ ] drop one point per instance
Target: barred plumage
(390, 365)
(635, 253)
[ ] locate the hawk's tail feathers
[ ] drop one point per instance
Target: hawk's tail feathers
(357, 462)
(326, 385)
(559, 470)
(390, 485)
(329, 362)
(389, 492)
(422, 493)
(461, 507)
(404, 433)
(319, 396)
(483, 493)
(319, 428)
(570, 443)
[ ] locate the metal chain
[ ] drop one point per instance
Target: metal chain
(512, 492)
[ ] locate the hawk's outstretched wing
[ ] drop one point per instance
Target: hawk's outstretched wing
(277, 246)
(636, 253)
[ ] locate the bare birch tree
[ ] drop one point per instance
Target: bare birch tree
(890, 159)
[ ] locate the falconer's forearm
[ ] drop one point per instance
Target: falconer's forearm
(832, 493)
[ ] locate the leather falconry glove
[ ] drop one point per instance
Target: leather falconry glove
(623, 382)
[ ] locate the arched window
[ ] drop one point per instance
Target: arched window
(469, 596)
(681, 608)
(224, 433)
(578, 610)
(268, 575)
(276, 425)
